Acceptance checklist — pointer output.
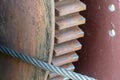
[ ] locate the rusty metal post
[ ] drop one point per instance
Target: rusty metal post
(28, 27)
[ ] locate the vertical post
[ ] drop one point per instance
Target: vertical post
(26, 26)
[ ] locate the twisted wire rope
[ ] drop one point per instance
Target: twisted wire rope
(43, 65)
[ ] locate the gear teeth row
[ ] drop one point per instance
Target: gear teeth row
(66, 7)
(67, 20)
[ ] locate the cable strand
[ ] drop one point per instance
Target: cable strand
(43, 65)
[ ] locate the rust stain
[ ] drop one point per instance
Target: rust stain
(25, 26)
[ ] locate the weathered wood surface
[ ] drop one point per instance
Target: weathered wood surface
(28, 27)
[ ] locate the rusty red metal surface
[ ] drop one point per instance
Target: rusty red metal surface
(100, 56)
(27, 27)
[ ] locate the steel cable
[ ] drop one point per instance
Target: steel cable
(43, 65)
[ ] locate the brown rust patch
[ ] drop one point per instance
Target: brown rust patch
(27, 27)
